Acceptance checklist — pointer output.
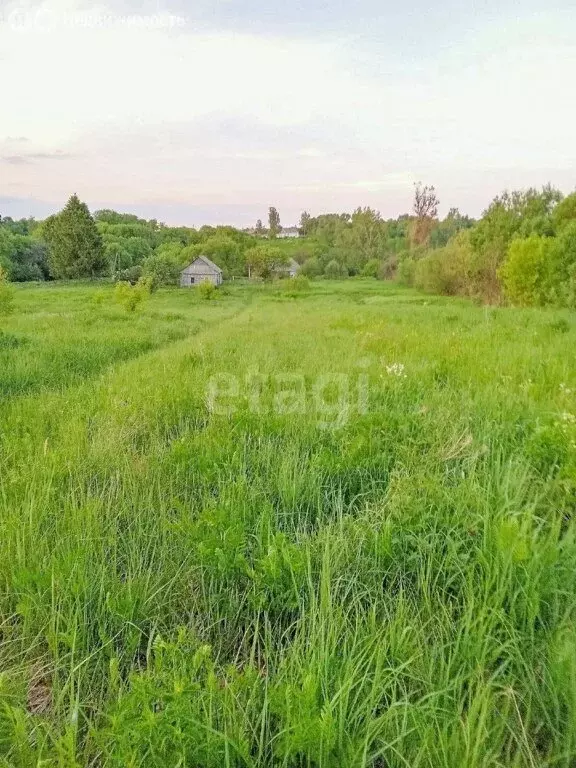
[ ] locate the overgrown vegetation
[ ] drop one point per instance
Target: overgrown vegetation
(384, 576)
(522, 249)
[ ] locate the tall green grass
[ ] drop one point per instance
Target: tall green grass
(392, 587)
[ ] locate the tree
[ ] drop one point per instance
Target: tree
(165, 264)
(274, 227)
(305, 223)
(264, 260)
(259, 229)
(75, 245)
(426, 212)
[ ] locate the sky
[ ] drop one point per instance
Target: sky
(211, 111)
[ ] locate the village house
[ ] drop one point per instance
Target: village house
(290, 269)
(286, 232)
(201, 270)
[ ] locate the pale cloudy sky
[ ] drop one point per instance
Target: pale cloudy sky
(210, 111)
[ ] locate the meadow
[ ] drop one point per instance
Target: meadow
(328, 528)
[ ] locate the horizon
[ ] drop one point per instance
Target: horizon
(212, 114)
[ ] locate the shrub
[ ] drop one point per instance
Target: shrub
(163, 266)
(371, 268)
(130, 275)
(406, 271)
(525, 273)
(130, 296)
(6, 294)
(333, 270)
(206, 290)
(147, 285)
(299, 283)
(311, 267)
(447, 270)
(388, 268)
(562, 273)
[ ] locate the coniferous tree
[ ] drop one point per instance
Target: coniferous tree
(75, 245)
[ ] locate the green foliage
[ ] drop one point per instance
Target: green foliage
(132, 296)
(6, 294)
(372, 268)
(264, 260)
(406, 273)
(164, 266)
(75, 245)
(334, 270)
(447, 270)
(130, 275)
(312, 267)
(565, 212)
(207, 290)
(299, 283)
(526, 272)
(274, 226)
(223, 250)
(541, 271)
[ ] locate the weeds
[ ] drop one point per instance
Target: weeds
(254, 589)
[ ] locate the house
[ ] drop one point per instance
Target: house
(289, 232)
(200, 271)
(290, 269)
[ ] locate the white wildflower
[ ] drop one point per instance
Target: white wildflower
(396, 369)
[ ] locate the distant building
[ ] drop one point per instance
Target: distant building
(289, 232)
(289, 270)
(200, 271)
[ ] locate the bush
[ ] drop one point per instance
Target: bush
(406, 272)
(206, 290)
(542, 270)
(147, 285)
(6, 294)
(388, 268)
(311, 268)
(334, 270)
(562, 274)
(130, 275)
(446, 270)
(131, 296)
(299, 283)
(525, 273)
(163, 267)
(371, 268)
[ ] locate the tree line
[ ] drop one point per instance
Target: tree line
(523, 247)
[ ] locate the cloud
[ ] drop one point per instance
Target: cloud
(34, 157)
(316, 104)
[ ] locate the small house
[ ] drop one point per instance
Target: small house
(201, 270)
(289, 232)
(290, 269)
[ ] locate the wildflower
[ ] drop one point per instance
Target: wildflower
(565, 390)
(396, 369)
(568, 418)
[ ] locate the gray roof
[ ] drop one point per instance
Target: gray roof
(291, 265)
(206, 261)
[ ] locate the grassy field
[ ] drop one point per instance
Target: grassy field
(324, 529)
